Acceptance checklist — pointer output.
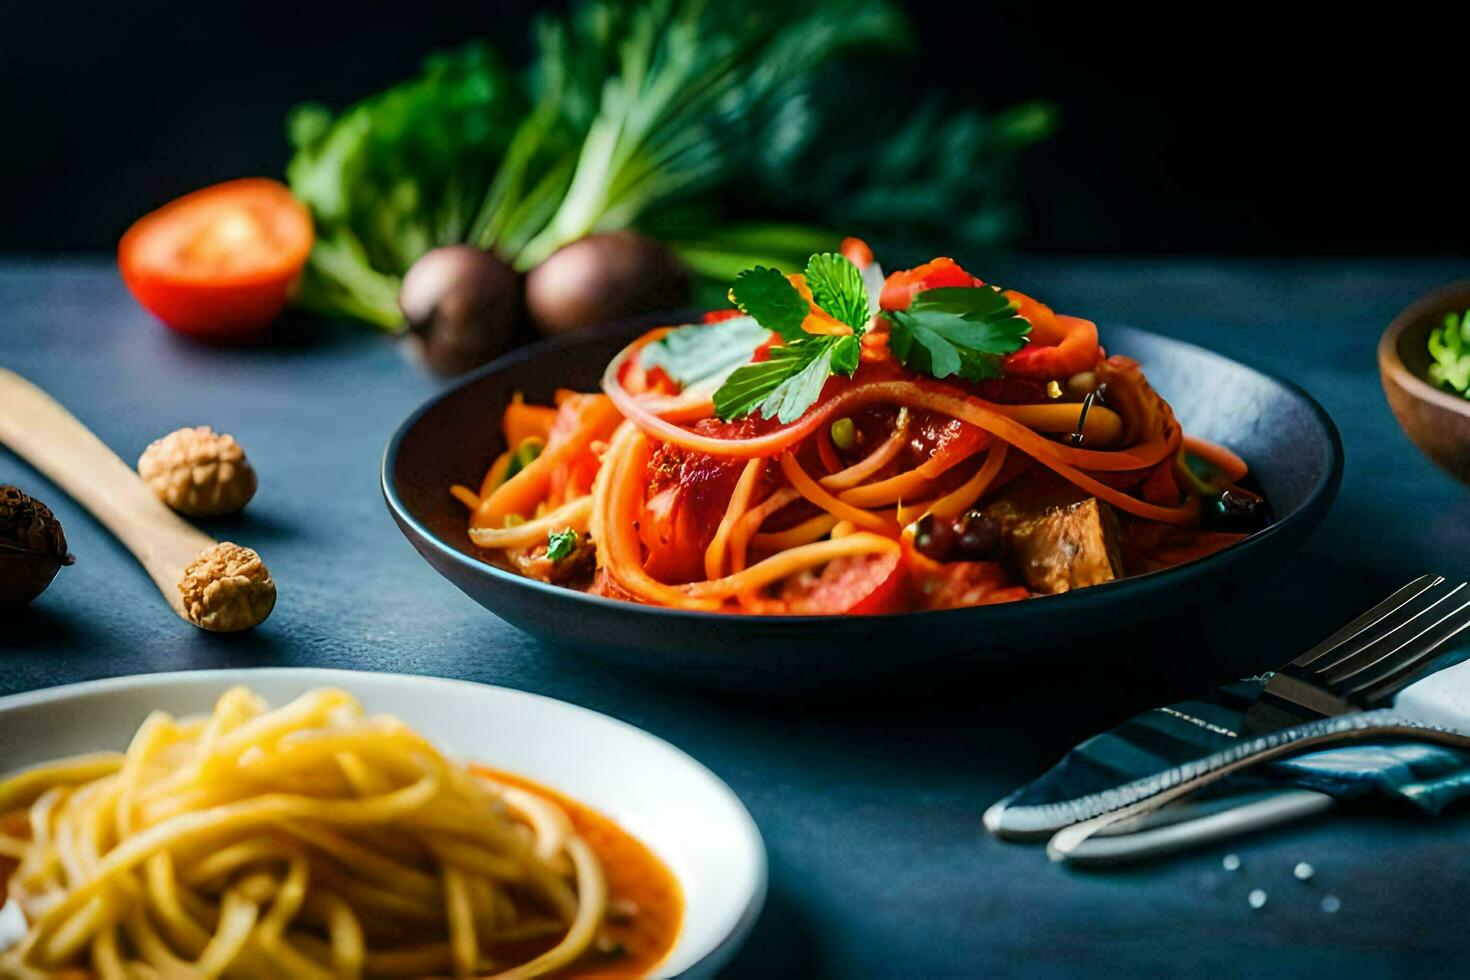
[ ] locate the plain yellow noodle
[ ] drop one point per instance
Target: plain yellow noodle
(313, 840)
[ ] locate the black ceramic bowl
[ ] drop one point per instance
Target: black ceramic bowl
(453, 438)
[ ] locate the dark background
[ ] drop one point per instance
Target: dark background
(1188, 128)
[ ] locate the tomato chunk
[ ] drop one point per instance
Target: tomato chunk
(219, 263)
(865, 585)
(1074, 350)
(900, 287)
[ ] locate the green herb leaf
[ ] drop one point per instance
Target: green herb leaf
(790, 382)
(700, 351)
(957, 330)
(837, 287)
(560, 544)
(769, 297)
(397, 174)
(1449, 345)
(788, 400)
(845, 352)
(873, 283)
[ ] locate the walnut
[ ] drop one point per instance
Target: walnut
(32, 546)
(227, 588)
(198, 472)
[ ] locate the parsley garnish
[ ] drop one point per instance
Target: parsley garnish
(790, 381)
(787, 384)
(1449, 345)
(701, 351)
(837, 287)
(960, 330)
(948, 331)
(560, 544)
(769, 296)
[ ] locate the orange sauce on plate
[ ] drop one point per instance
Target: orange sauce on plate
(634, 875)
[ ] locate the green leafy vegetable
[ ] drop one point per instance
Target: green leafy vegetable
(700, 351)
(837, 287)
(665, 115)
(398, 174)
(791, 379)
(769, 297)
(957, 330)
(790, 382)
(1449, 345)
(560, 544)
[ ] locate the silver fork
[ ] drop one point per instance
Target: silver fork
(1369, 660)
(1359, 667)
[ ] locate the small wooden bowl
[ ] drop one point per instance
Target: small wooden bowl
(1436, 420)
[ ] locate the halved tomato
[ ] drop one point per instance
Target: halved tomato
(219, 263)
(867, 585)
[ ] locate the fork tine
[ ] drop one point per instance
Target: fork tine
(1399, 666)
(1369, 619)
(1374, 642)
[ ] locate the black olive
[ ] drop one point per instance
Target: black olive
(604, 278)
(979, 538)
(462, 305)
(1240, 511)
(934, 537)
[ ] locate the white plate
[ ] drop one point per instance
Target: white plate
(666, 799)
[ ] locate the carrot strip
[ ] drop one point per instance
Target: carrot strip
(804, 533)
(465, 496)
(574, 515)
(522, 421)
(788, 563)
(873, 462)
(496, 473)
(954, 503)
(1104, 426)
(748, 525)
(522, 492)
(714, 555)
(828, 453)
(888, 491)
(1231, 466)
(813, 491)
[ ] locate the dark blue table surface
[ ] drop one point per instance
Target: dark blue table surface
(871, 811)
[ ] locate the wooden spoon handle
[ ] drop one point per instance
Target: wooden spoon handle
(40, 430)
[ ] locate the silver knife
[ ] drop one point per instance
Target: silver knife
(1188, 824)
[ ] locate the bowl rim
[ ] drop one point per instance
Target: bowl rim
(709, 960)
(1320, 496)
(1455, 295)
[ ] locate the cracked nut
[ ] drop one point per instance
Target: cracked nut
(198, 472)
(32, 546)
(227, 588)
